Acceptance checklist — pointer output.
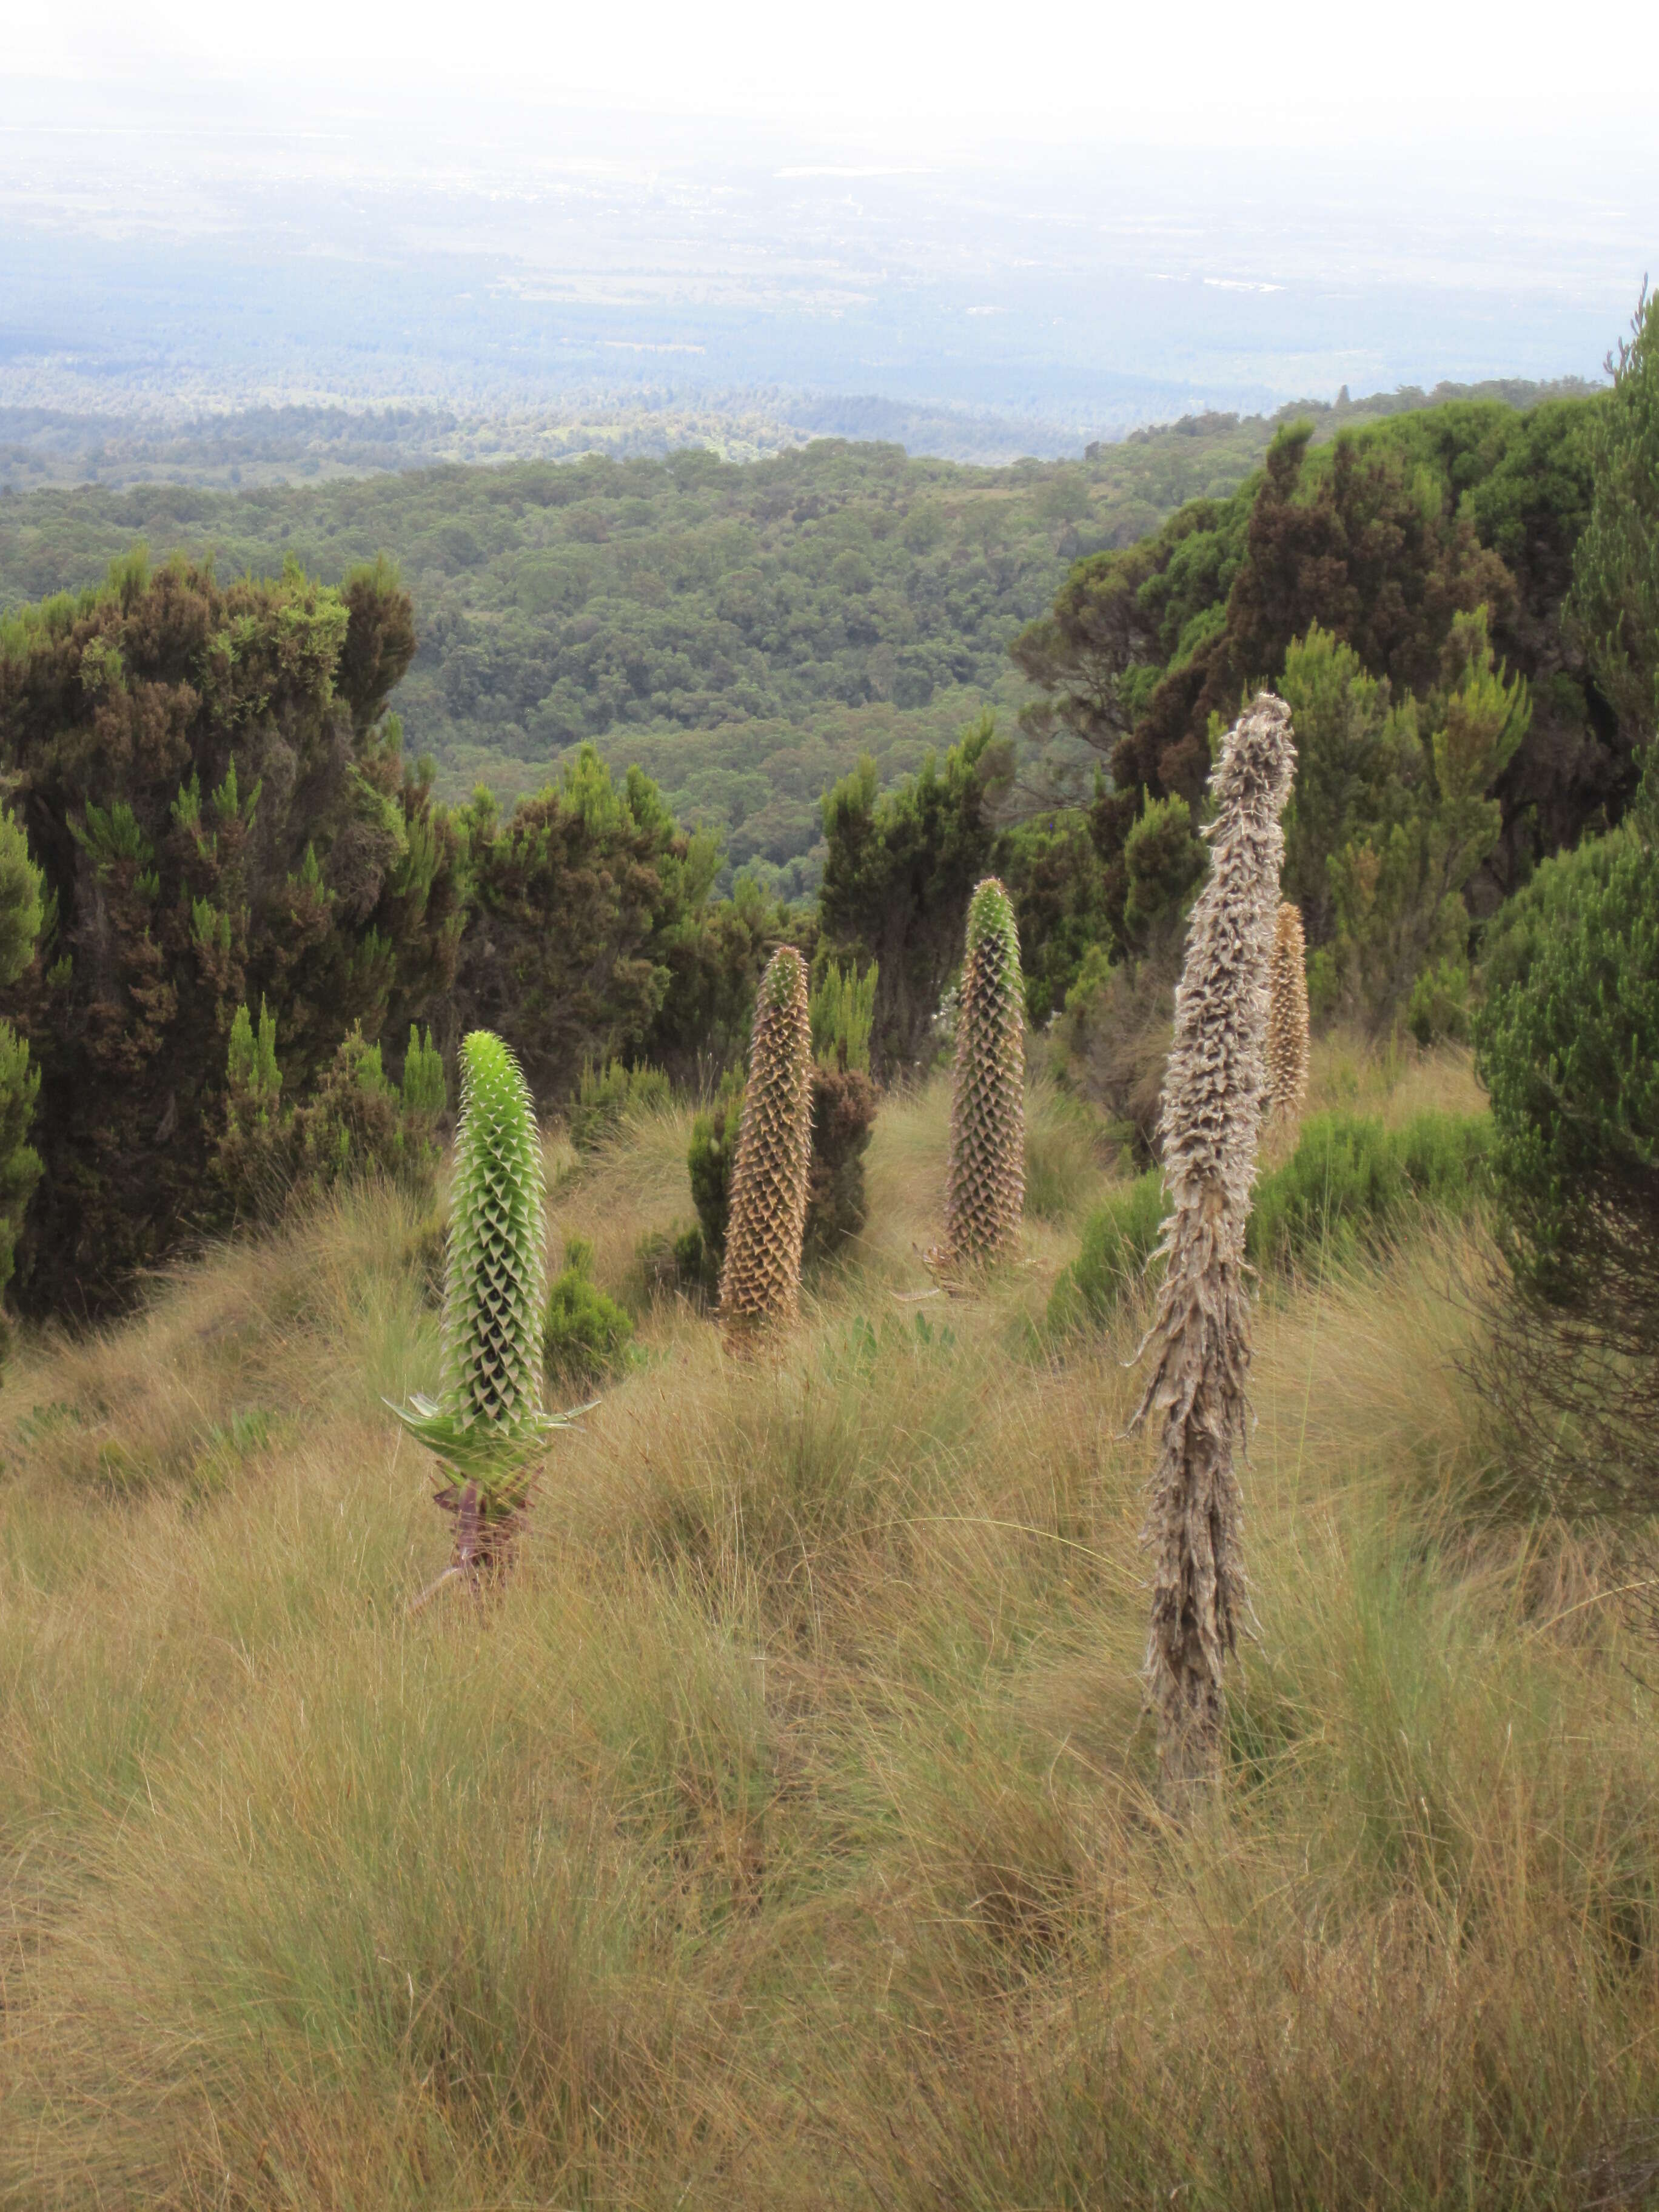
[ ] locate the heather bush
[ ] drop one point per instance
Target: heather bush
(842, 1013)
(1567, 1042)
(221, 807)
(843, 1118)
(356, 1123)
(714, 1147)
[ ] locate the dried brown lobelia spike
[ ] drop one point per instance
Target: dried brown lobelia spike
(985, 1195)
(760, 1281)
(1287, 1019)
(1200, 1341)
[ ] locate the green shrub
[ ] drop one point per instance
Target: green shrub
(843, 1116)
(671, 1263)
(1119, 1239)
(842, 1013)
(1351, 1183)
(586, 1334)
(1352, 1180)
(607, 1094)
(356, 1123)
(709, 1160)
(1567, 1042)
(1064, 1140)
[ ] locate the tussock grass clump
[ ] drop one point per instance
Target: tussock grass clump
(788, 1836)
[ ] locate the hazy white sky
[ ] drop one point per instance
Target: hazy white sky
(1225, 70)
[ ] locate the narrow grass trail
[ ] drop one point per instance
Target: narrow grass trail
(783, 1835)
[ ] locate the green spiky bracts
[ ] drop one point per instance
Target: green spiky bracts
(487, 1421)
(760, 1281)
(986, 1194)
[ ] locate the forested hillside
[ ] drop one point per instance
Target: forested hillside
(744, 632)
(217, 821)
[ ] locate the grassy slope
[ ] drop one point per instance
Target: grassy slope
(782, 1837)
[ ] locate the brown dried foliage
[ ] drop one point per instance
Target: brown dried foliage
(1287, 1017)
(1200, 1336)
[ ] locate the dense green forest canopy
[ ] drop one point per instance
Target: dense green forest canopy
(225, 816)
(1382, 538)
(743, 632)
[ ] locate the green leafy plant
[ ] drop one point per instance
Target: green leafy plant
(1350, 1184)
(607, 1092)
(1392, 818)
(272, 1158)
(899, 870)
(1119, 1240)
(487, 1425)
(1614, 600)
(586, 1334)
(1352, 1181)
(1567, 1042)
(844, 1011)
(843, 1121)
(713, 1150)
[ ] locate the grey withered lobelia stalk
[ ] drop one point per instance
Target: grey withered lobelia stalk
(1200, 1341)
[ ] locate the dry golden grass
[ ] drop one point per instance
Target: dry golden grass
(782, 1836)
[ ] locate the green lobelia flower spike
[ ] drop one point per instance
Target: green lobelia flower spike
(986, 1189)
(487, 1423)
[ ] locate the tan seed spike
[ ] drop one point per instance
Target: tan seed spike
(1200, 1339)
(985, 1195)
(1287, 1019)
(760, 1281)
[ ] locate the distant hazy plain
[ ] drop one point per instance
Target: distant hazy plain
(215, 252)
